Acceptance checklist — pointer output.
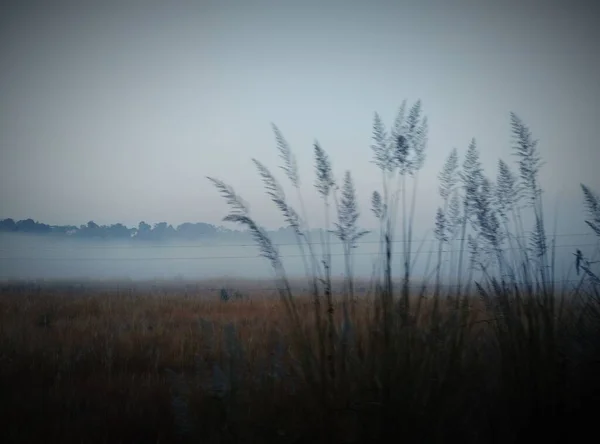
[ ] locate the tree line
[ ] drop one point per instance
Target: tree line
(160, 231)
(144, 231)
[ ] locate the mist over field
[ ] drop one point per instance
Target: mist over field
(30, 257)
(25, 256)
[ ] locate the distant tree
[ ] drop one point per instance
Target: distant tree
(189, 230)
(26, 226)
(143, 231)
(162, 231)
(170, 232)
(91, 230)
(144, 227)
(30, 226)
(160, 227)
(119, 231)
(8, 225)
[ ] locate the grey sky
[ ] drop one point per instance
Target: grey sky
(116, 111)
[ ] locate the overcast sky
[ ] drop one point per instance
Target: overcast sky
(115, 111)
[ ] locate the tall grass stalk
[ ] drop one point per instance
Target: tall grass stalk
(415, 363)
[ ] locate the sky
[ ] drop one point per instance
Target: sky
(116, 111)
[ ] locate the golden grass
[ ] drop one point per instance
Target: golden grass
(74, 362)
(91, 366)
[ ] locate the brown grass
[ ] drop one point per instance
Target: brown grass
(92, 366)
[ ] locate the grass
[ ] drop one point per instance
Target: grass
(110, 361)
(501, 356)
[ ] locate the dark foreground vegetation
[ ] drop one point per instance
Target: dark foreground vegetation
(133, 366)
(501, 355)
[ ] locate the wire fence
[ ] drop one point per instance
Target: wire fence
(279, 244)
(283, 256)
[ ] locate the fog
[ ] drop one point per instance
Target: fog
(34, 257)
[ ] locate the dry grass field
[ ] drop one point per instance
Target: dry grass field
(170, 364)
(80, 359)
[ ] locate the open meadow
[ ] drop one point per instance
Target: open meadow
(110, 363)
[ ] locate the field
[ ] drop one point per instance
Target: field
(176, 363)
(493, 343)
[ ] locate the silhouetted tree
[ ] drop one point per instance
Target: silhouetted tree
(119, 231)
(8, 225)
(143, 230)
(188, 230)
(30, 226)
(91, 230)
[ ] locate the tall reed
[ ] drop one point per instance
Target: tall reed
(414, 364)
